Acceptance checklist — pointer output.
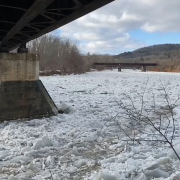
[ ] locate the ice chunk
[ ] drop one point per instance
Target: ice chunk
(64, 108)
(80, 163)
(156, 173)
(38, 177)
(45, 174)
(20, 159)
(90, 138)
(109, 160)
(4, 154)
(172, 154)
(50, 161)
(45, 141)
(32, 167)
(72, 152)
(175, 176)
(11, 177)
(26, 149)
(71, 169)
(156, 164)
(95, 124)
(141, 176)
(25, 175)
(105, 176)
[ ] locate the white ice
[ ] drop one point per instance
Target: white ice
(85, 142)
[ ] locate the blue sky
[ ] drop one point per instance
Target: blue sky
(125, 25)
(156, 37)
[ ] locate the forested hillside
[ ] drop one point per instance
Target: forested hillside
(166, 55)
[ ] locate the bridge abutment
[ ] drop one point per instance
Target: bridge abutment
(22, 94)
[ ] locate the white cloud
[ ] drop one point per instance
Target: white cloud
(107, 29)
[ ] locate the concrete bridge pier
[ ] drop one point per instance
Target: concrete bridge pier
(143, 69)
(119, 68)
(22, 94)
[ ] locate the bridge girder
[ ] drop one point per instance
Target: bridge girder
(125, 64)
(24, 20)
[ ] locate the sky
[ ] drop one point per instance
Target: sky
(126, 25)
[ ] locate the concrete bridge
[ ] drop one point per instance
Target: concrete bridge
(22, 95)
(121, 65)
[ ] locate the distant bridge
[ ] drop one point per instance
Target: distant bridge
(24, 20)
(121, 65)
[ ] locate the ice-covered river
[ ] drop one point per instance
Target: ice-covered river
(85, 143)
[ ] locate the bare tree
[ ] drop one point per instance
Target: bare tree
(156, 121)
(58, 54)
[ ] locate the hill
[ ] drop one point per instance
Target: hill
(166, 55)
(155, 50)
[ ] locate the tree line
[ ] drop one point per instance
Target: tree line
(62, 55)
(58, 55)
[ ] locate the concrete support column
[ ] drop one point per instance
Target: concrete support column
(119, 68)
(22, 94)
(19, 67)
(143, 69)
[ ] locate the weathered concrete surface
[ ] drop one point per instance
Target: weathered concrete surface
(25, 99)
(19, 67)
(22, 94)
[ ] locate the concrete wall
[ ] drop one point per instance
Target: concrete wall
(19, 67)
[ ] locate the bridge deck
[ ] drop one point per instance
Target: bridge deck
(126, 64)
(24, 20)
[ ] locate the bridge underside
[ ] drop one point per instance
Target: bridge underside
(22, 95)
(25, 20)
